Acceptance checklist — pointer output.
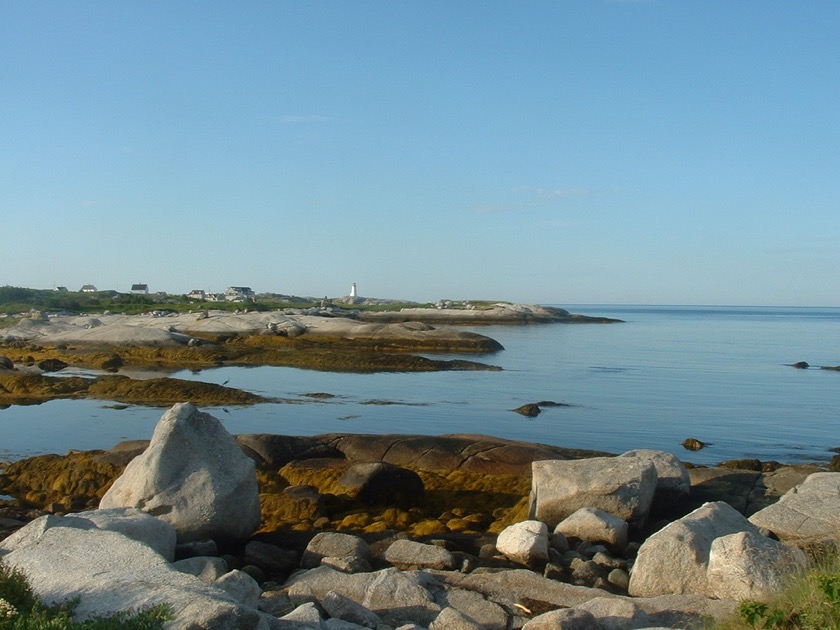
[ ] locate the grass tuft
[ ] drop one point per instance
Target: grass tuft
(810, 601)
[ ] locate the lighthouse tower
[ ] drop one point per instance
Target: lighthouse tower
(353, 290)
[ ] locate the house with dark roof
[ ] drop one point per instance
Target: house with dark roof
(140, 289)
(88, 288)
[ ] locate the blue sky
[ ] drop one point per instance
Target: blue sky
(591, 151)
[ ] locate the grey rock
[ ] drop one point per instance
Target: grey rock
(807, 512)
(615, 613)
(241, 587)
(672, 479)
(563, 619)
(519, 587)
(137, 525)
(622, 486)
(452, 619)
(336, 545)
(275, 451)
(749, 566)
(596, 526)
(341, 624)
(194, 476)
(341, 607)
(276, 603)
(619, 578)
(396, 596)
(307, 613)
(347, 565)
(587, 572)
(469, 453)
(208, 569)
(609, 562)
(525, 543)
(134, 524)
(559, 542)
(684, 611)
(110, 572)
(271, 558)
(675, 559)
(475, 606)
(408, 554)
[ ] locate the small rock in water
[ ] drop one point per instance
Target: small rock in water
(531, 410)
(551, 403)
(693, 444)
(52, 365)
(800, 365)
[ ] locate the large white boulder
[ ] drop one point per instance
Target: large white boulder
(807, 512)
(525, 543)
(194, 476)
(110, 572)
(622, 486)
(676, 558)
(749, 566)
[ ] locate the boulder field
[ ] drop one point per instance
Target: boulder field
(400, 531)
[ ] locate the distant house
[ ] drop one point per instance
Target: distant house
(62, 289)
(197, 294)
(88, 288)
(140, 289)
(239, 294)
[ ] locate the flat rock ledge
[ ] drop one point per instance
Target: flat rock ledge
(402, 531)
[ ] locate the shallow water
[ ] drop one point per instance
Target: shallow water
(668, 373)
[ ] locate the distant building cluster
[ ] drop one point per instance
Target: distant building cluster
(231, 294)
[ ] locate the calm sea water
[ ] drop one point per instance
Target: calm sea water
(717, 374)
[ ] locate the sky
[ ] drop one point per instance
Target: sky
(554, 152)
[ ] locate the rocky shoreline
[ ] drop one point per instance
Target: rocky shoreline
(400, 531)
(328, 338)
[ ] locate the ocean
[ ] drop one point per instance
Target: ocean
(717, 374)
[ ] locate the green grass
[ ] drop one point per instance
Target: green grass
(811, 601)
(20, 609)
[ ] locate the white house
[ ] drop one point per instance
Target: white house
(88, 288)
(197, 294)
(239, 294)
(140, 289)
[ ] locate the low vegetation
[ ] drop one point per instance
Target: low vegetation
(21, 609)
(14, 300)
(811, 601)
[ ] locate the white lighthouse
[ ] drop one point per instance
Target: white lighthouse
(353, 290)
